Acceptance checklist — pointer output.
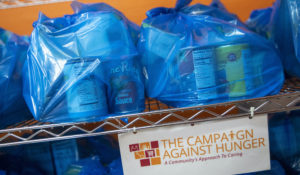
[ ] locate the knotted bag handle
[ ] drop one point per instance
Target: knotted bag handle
(163, 10)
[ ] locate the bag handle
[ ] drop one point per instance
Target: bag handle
(218, 4)
(163, 10)
(182, 3)
(179, 5)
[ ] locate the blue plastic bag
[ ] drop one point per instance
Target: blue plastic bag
(115, 168)
(82, 67)
(276, 169)
(8, 58)
(277, 23)
(105, 147)
(216, 9)
(283, 137)
(64, 153)
(191, 57)
(15, 165)
(294, 9)
(87, 166)
(293, 162)
(260, 21)
(283, 37)
(284, 134)
(13, 49)
(79, 8)
(39, 155)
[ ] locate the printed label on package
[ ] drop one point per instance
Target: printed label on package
(231, 146)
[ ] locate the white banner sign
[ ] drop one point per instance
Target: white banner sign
(232, 146)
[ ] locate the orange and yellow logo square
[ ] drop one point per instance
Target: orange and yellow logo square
(147, 153)
(155, 161)
(145, 146)
(139, 155)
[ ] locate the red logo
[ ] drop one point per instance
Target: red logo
(147, 153)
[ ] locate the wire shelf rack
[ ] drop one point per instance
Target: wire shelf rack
(5, 4)
(156, 114)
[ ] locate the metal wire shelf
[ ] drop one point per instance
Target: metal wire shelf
(156, 114)
(5, 4)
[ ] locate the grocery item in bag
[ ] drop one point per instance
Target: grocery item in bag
(125, 87)
(13, 49)
(87, 166)
(197, 55)
(294, 17)
(67, 62)
(279, 24)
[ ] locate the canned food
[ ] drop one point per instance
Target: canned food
(88, 94)
(231, 68)
(197, 72)
(125, 91)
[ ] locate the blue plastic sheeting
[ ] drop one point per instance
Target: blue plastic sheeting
(285, 140)
(216, 10)
(87, 166)
(115, 168)
(13, 49)
(260, 21)
(283, 37)
(133, 29)
(294, 9)
(105, 147)
(276, 169)
(200, 55)
(82, 67)
(280, 24)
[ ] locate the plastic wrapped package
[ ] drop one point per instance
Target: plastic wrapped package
(16, 161)
(279, 24)
(218, 4)
(124, 85)
(284, 134)
(105, 147)
(86, 156)
(294, 161)
(276, 169)
(39, 155)
(8, 60)
(72, 64)
(294, 9)
(260, 21)
(100, 152)
(115, 168)
(216, 9)
(196, 58)
(64, 154)
(133, 29)
(282, 137)
(13, 49)
(15, 165)
(283, 37)
(87, 166)
(51, 158)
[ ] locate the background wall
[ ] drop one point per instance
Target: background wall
(19, 20)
